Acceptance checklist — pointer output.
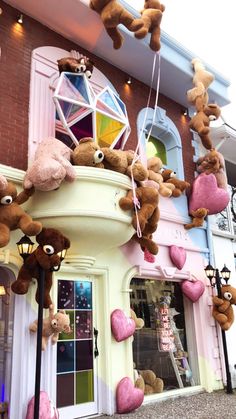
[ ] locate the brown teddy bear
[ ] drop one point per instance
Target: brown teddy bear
(201, 80)
(198, 218)
(155, 168)
(12, 216)
(139, 322)
(52, 326)
(180, 185)
(148, 212)
(51, 242)
(200, 122)
(88, 153)
(122, 161)
(151, 16)
(222, 310)
(213, 162)
(148, 382)
(76, 65)
(112, 14)
(148, 215)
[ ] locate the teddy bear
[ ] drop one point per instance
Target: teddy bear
(200, 122)
(76, 65)
(112, 14)
(213, 162)
(46, 256)
(155, 168)
(88, 153)
(169, 176)
(122, 161)
(147, 212)
(12, 216)
(222, 310)
(147, 381)
(52, 326)
(139, 322)
(148, 215)
(201, 80)
(151, 16)
(198, 218)
(50, 166)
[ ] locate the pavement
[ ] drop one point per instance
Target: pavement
(216, 405)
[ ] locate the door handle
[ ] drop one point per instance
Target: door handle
(95, 332)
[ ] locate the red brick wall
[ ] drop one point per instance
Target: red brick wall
(17, 44)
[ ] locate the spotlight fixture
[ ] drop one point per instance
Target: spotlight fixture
(20, 19)
(129, 81)
(0, 11)
(185, 112)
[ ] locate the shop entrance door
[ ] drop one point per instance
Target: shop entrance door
(77, 352)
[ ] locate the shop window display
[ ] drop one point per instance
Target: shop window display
(161, 345)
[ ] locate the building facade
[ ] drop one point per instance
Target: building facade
(104, 270)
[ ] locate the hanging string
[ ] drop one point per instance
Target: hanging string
(136, 157)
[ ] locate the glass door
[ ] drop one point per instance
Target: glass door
(76, 362)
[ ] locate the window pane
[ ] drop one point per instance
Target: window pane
(161, 345)
(155, 148)
(75, 350)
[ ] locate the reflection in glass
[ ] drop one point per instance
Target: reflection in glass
(161, 345)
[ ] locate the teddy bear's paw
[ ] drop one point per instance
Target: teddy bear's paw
(141, 33)
(32, 229)
(20, 287)
(136, 25)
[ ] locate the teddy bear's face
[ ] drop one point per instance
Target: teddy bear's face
(212, 111)
(8, 194)
(168, 174)
(228, 293)
(88, 153)
(61, 322)
(51, 243)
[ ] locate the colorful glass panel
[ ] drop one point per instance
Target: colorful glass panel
(83, 128)
(107, 98)
(155, 148)
(74, 87)
(122, 105)
(107, 130)
(84, 387)
(72, 111)
(65, 398)
(75, 356)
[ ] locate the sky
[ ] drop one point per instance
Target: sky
(208, 29)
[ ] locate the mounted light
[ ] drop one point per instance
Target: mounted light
(25, 247)
(2, 290)
(225, 273)
(210, 272)
(129, 81)
(20, 19)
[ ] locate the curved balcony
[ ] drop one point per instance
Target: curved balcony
(87, 211)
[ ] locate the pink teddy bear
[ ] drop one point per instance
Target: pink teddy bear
(50, 167)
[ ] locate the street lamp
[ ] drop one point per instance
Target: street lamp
(215, 281)
(25, 248)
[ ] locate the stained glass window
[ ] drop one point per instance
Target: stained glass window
(82, 113)
(75, 350)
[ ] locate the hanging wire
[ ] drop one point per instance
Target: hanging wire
(136, 156)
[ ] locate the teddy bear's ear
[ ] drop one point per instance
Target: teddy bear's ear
(3, 182)
(86, 140)
(66, 243)
(62, 311)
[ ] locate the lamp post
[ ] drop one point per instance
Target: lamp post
(215, 281)
(25, 248)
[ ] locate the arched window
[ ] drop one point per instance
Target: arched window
(164, 141)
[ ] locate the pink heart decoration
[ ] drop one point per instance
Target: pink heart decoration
(122, 326)
(206, 194)
(193, 290)
(128, 398)
(178, 256)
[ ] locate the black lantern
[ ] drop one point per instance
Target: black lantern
(225, 273)
(215, 280)
(25, 247)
